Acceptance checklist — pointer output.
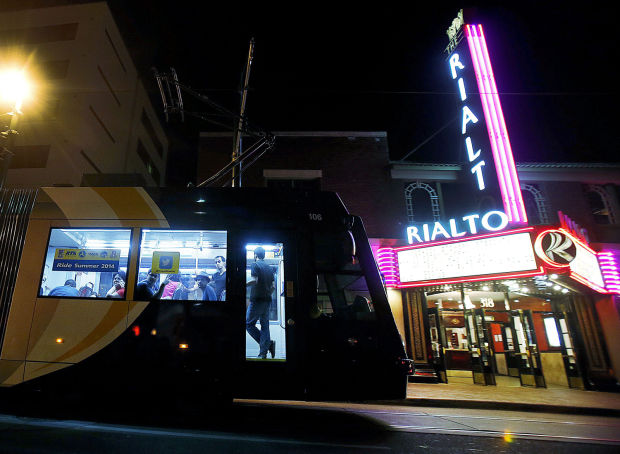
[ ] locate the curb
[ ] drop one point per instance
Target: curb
(510, 406)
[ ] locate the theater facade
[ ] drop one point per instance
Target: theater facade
(484, 293)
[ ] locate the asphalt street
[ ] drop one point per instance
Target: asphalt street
(274, 427)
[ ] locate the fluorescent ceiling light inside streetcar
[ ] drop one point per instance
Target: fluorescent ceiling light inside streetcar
(267, 247)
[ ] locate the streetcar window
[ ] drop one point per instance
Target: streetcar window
(344, 294)
(86, 263)
(192, 261)
(341, 286)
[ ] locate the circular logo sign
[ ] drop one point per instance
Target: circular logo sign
(555, 248)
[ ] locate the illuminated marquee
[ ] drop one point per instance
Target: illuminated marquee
(560, 249)
(518, 253)
(483, 257)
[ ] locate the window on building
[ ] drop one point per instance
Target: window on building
(38, 35)
(120, 61)
(107, 83)
(90, 161)
(148, 162)
(535, 204)
(102, 124)
(86, 263)
(193, 262)
(146, 122)
(30, 157)
(422, 202)
(599, 203)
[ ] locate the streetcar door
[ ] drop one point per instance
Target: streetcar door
(267, 274)
(265, 302)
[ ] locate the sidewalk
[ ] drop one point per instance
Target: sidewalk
(552, 399)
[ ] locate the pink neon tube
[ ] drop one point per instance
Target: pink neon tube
(498, 135)
(487, 115)
(489, 112)
(492, 125)
(495, 128)
(511, 164)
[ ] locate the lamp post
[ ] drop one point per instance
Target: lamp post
(14, 88)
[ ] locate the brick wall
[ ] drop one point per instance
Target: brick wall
(355, 166)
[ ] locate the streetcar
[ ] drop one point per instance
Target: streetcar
(147, 289)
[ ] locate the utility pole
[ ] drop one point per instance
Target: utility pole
(237, 145)
(6, 153)
(171, 90)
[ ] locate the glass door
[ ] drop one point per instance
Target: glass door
(437, 336)
(266, 273)
(479, 347)
(265, 299)
(569, 354)
(526, 349)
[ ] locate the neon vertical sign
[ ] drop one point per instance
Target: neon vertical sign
(496, 126)
(477, 163)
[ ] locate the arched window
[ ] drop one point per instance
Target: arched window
(600, 204)
(535, 204)
(420, 202)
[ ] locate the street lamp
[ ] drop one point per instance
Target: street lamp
(14, 89)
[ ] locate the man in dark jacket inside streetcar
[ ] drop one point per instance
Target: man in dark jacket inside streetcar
(262, 285)
(145, 290)
(69, 289)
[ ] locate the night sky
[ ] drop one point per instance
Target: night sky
(318, 66)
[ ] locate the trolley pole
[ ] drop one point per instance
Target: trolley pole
(237, 145)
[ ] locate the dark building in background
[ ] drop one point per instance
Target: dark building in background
(353, 164)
